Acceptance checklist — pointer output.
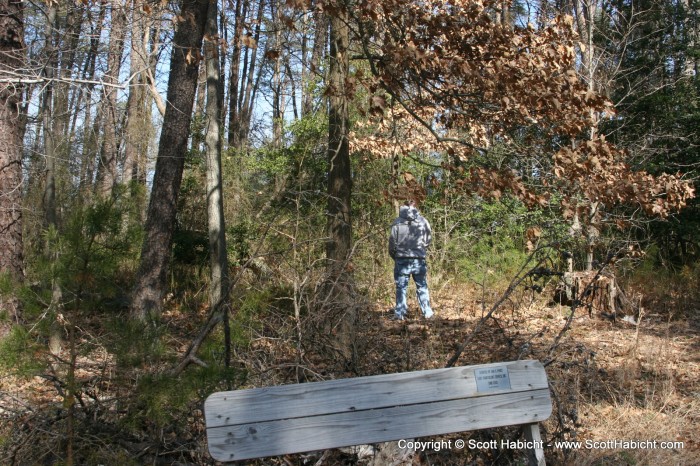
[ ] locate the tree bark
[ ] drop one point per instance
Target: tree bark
(151, 277)
(339, 226)
(233, 106)
(586, 14)
(339, 221)
(11, 50)
(89, 132)
(219, 291)
(248, 92)
(310, 72)
(138, 125)
(68, 49)
(107, 170)
(50, 214)
(277, 85)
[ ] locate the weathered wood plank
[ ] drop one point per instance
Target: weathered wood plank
(296, 435)
(363, 393)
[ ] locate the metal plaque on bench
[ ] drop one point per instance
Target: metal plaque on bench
(492, 378)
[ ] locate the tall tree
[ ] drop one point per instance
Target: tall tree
(339, 241)
(85, 93)
(275, 54)
(587, 12)
(49, 130)
(68, 51)
(138, 123)
(219, 292)
(151, 278)
(339, 227)
(236, 46)
(249, 80)
(310, 68)
(107, 169)
(11, 59)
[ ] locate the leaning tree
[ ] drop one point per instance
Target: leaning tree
(151, 278)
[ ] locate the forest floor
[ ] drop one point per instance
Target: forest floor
(610, 381)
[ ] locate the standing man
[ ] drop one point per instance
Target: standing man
(408, 242)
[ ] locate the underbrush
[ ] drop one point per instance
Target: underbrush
(639, 384)
(109, 396)
(672, 293)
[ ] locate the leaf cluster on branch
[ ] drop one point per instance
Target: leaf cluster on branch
(476, 73)
(448, 77)
(599, 171)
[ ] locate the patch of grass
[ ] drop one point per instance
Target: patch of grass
(6, 284)
(642, 387)
(134, 343)
(673, 293)
(20, 353)
(626, 422)
(166, 403)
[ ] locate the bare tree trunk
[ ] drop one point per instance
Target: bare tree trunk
(218, 294)
(247, 97)
(291, 81)
(151, 278)
(60, 47)
(339, 222)
(68, 49)
(11, 58)
(154, 53)
(234, 76)
(90, 132)
(50, 215)
(339, 226)
(586, 14)
(277, 99)
(278, 91)
(138, 123)
(200, 101)
(320, 41)
(107, 170)
(90, 149)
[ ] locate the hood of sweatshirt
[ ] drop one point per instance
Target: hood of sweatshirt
(409, 213)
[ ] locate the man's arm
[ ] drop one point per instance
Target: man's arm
(392, 244)
(428, 233)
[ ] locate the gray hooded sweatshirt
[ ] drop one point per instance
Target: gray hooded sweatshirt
(410, 235)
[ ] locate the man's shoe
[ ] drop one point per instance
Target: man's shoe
(397, 318)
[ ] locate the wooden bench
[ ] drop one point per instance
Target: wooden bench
(287, 419)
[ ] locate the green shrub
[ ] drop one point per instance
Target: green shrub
(163, 402)
(134, 343)
(20, 353)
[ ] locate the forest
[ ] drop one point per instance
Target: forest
(196, 196)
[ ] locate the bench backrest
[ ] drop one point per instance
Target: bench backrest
(312, 416)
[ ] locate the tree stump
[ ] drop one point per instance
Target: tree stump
(597, 292)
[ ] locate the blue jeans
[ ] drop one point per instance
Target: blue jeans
(404, 269)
